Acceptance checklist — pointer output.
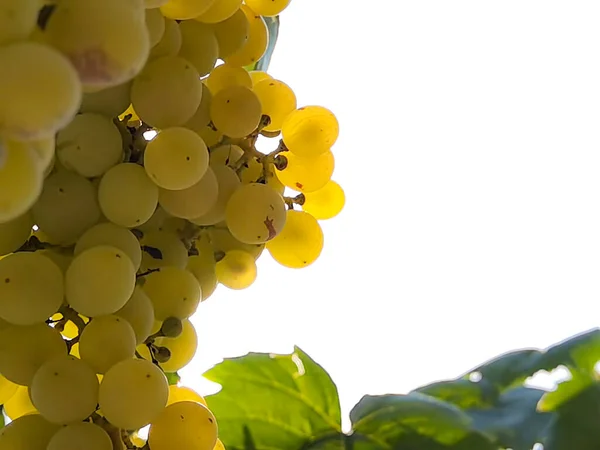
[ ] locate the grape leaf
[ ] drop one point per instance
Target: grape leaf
(566, 390)
(172, 378)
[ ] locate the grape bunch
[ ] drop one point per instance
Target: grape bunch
(131, 186)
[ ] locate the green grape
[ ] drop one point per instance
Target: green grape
(237, 270)
(228, 182)
(231, 33)
(110, 234)
(203, 269)
(61, 257)
(310, 131)
(19, 404)
(182, 348)
(105, 341)
(194, 201)
(184, 394)
(170, 42)
(219, 445)
(307, 174)
(110, 102)
(42, 149)
(161, 249)
(133, 393)
(223, 241)
(268, 8)
(252, 171)
(225, 155)
(277, 100)
(258, 76)
(167, 93)
(175, 225)
(79, 436)
(219, 11)
(18, 19)
(90, 145)
(40, 91)
(236, 111)
(300, 242)
(210, 136)
(255, 213)
(187, 425)
(139, 312)
(155, 222)
(23, 350)
(199, 45)
(65, 390)
(225, 76)
(155, 22)
(99, 281)
(15, 233)
(91, 34)
(67, 207)
(31, 432)
(177, 158)
(325, 203)
(174, 292)
(31, 288)
(201, 117)
(185, 9)
(127, 196)
(255, 46)
(8, 390)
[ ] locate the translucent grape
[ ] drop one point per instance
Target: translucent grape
(31, 432)
(210, 136)
(177, 158)
(307, 174)
(268, 8)
(40, 91)
(223, 241)
(110, 234)
(162, 248)
(65, 390)
(155, 22)
(188, 425)
(7, 390)
(258, 76)
(155, 222)
(139, 312)
(182, 348)
(17, 19)
(237, 270)
(170, 43)
(225, 76)
(61, 257)
(228, 182)
(105, 341)
(31, 288)
(42, 148)
(204, 271)
(255, 213)
(154, 3)
(256, 44)
(127, 196)
(236, 111)
(14, 233)
(185, 9)
(110, 102)
(310, 131)
(23, 349)
(99, 281)
(133, 393)
(80, 435)
(194, 201)
(277, 100)
(300, 242)
(201, 117)
(90, 145)
(225, 155)
(184, 394)
(251, 171)
(199, 45)
(220, 11)
(231, 33)
(174, 293)
(19, 404)
(325, 203)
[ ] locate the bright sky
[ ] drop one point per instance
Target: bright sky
(469, 152)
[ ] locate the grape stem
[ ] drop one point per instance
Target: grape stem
(146, 273)
(33, 244)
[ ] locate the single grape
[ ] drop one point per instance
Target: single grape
(162, 249)
(310, 131)
(219, 11)
(225, 155)
(231, 33)
(199, 45)
(171, 327)
(236, 111)
(204, 269)
(182, 348)
(225, 76)
(277, 100)
(255, 46)
(174, 293)
(201, 117)
(193, 201)
(222, 240)
(184, 394)
(258, 76)
(155, 23)
(110, 102)
(210, 136)
(325, 203)
(139, 312)
(17, 19)
(78, 436)
(237, 270)
(307, 174)
(19, 404)
(14, 233)
(31, 432)
(268, 8)
(170, 43)
(185, 9)
(228, 182)
(108, 233)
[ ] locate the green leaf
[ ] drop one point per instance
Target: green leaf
(173, 378)
(273, 33)
(565, 391)
(275, 402)
(508, 369)
(462, 392)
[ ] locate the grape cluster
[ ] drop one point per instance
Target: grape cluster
(130, 187)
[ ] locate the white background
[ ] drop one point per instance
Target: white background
(469, 152)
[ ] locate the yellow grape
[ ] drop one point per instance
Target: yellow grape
(167, 93)
(18, 19)
(258, 76)
(110, 234)
(40, 91)
(277, 100)
(310, 131)
(237, 270)
(210, 136)
(325, 203)
(268, 8)
(31, 288)
(228, 183)
(175, 225)
(174, 292)
(177, 158)
(251, 171)
(127, 196)
(220, 11)
(65, 390)
(8, 390)
(255, 213)
(155, 222)
(187, 425)
(201, 117)
(170, 43)
(300, 242)
(223, 241)
(21, 181)
(203, 269)
(199, 45)
(110, 102)
(90, 145)
(218, 446)
(19, 404)
(67, 207)
(256, 45)
(42, 148)
(133, 393)
(155, 22)
(99, 281)
(14, 233)
(162, 248)
(184, 394)
(149, 4)
(31, 432)
(185, 9)
(225, 155)
(80, 435)
(273, 182)
(182, 348)
(91, 34)
(306, 174)
(194, 201)
(23, 349)
(236, 111)
(139, 312)
(225, 76)
(105, 341)
(61, 257)
(231, 33)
